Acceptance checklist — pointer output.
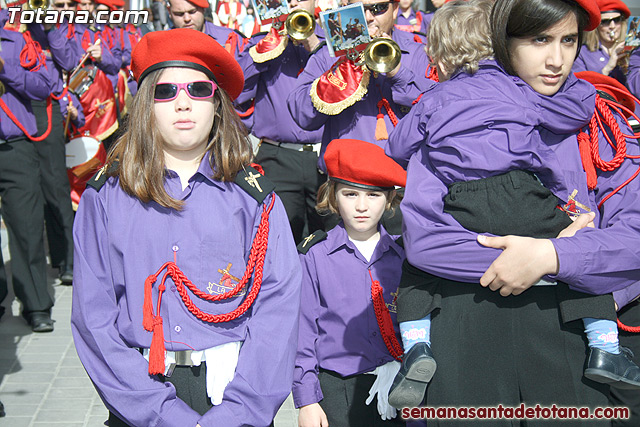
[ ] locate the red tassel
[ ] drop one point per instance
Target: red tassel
(381, 128)
(157, 350)
(147, 307)
(587, 162)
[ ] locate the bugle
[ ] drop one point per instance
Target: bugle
(38, 4)
(300, 24)
(382, 55)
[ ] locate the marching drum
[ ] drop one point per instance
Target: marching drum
(85, 155)
(81, 80)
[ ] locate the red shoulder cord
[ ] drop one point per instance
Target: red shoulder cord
(153, 323)
(384, 320)
(381, 128)
(590, 153)
(31, 58)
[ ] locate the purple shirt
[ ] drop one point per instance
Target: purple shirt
(595, 61)
(415, 22)
(269, 83)
(477, 126)
(633, 76)
(119, 241)
(338, 327)
(359, 120)
(111, 59)
(220, 34)
(21, 85)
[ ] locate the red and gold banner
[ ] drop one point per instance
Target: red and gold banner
(98, 103)
(340, 87)
(270, 47)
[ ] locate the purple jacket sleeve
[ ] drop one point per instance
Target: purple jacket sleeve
(119, 372)
(607, 258)
(64, 56)
(299, 101)
(111, 59)
(306, 387)
(251, 72)
(264, 374)
(407, 137)
(633, 77)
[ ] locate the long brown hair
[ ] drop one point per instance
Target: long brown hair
(139, 151)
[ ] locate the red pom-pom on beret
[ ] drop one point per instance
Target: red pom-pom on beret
(611, 86)
(362, 164)
(187, 48)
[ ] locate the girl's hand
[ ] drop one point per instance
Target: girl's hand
(312, 416)
(614, 55)
(522, 263)
(582, 221)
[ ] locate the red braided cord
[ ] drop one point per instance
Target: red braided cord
(15, 120)
(392, 116)
(384, 320)
(256, 260)
(632, 329)
(31, 55)
(621, 142)
(62, 95)
(432, 74)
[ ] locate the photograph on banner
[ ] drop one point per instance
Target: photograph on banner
(269, 10)
(346, 29)
(633, 32)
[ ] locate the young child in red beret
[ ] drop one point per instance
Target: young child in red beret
(187, 282)
(348, 328)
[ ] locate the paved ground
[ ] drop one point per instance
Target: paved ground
(43, 383)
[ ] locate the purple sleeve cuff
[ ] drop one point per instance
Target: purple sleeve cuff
(306, 394)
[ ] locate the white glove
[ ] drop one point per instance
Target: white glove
(221, 367)
(385, 375)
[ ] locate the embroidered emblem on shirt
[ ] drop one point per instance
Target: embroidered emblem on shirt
(393, 308)
(251, 179)
(225, 283)
(574, 207)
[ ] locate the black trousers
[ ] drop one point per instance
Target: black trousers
(58, 211)
(23, 215)
(191, 387)
(344, 401)
(296, 177)
(510, 204)
(629, 315)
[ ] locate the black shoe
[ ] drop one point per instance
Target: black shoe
(617, 370)
(409, 386)
(66, 277)
(2, 413)
(40, 321)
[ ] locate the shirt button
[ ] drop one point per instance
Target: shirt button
(177, 329)
(175, 248)
(373, 334)
(173, 289)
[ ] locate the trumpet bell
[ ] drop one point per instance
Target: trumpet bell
(38, 4)
(382, 55)
(300, 24)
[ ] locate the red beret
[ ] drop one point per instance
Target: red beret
(611, 86)
(200, 3)
(111, 3)
(614, 6)
(187, 48)
(362, 164)
(592, 9)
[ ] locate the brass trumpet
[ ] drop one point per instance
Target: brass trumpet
(38, 4)
(300, 24)
(382, 55)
